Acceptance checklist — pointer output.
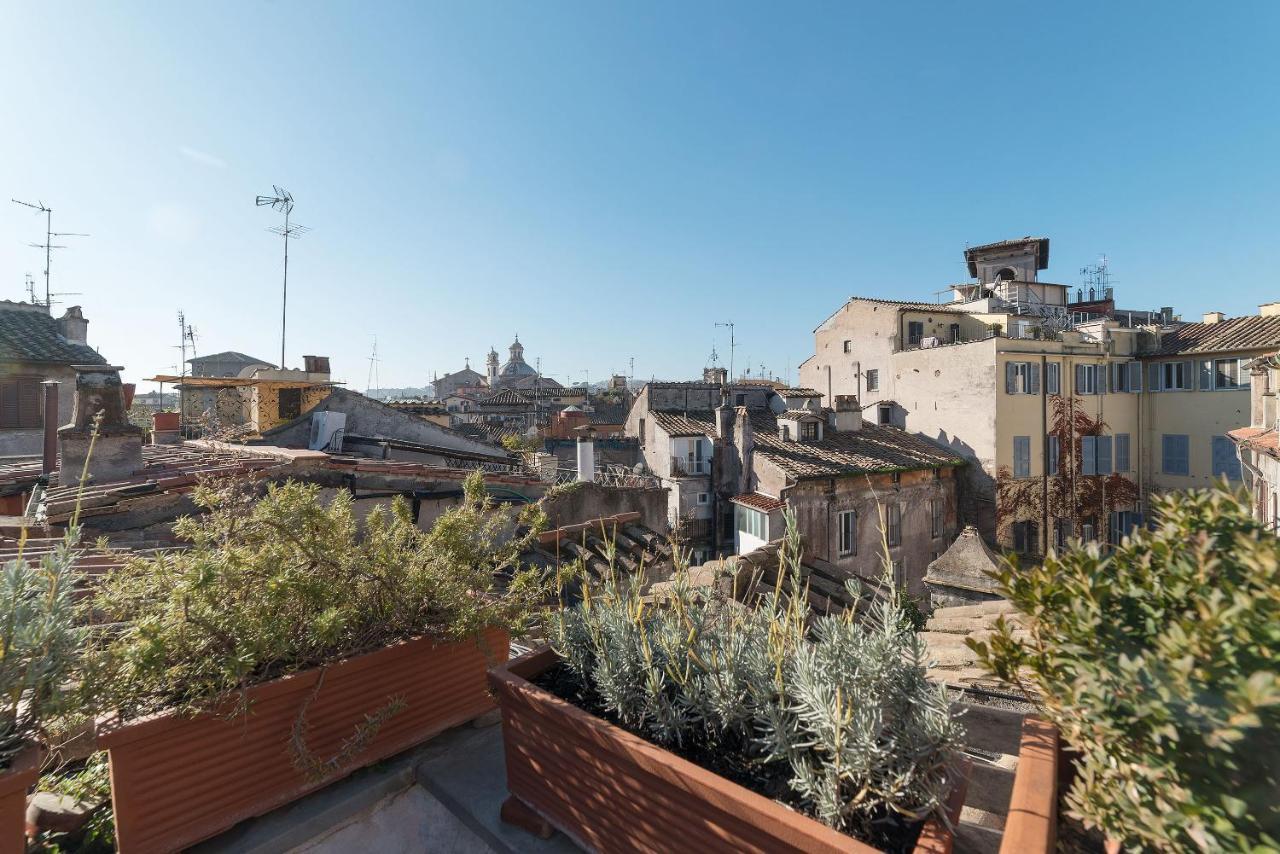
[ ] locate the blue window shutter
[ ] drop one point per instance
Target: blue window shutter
(1225, 461)
(1010, 377)
(1033, 379)
(1054, 455)
(1021, 456)
(1079, 379)
(1053, 378)
(1122, 452)
(1135, 376)
(1153, 377)
(1206, 375)
(1100, 384)
(1104, 455)
(1175, 452)
(1088, 454)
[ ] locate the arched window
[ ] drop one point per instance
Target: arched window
(1006, 275)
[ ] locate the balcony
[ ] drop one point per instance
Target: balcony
(689, 468)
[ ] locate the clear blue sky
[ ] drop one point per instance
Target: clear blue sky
(608, 180)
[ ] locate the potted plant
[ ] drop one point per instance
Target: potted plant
(709, 725)
(1156, 663)
(40, 644)
(289, 646)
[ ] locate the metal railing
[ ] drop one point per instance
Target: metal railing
(689, 468)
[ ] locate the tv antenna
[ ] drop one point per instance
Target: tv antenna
(186, 334)
(48, 246)
(282, 201)
(733, 344)
(1097, 278)
(373, 370)
(632, 374)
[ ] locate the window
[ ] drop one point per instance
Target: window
(1053, 378)
(884, 413)
(642, 432)
(1022, 456)
(1087, 379)
(704, 497)
(1175, 453)
(753, 523)
(873, 380)
(1126, 376)
(848, 346)
(899, 573)
(739, 400)
(893, 524)
(1061, 532)
(955, 333)
(1021, 378)
(847, 531)
(1170, 376)
(1095, 455)
(290, 403)
(915, 333)
(1122, 523)
(1227, 374)
(1024, 537)
(1122, 452)
(936, 517)
(809, 431)
(1225, 462)
(896, 477)
(20, 404)
(1054, 448)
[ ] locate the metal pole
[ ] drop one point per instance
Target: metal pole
(284, 298)
(48, 256)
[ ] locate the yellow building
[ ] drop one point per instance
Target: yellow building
(250, 405)
(1072, 420)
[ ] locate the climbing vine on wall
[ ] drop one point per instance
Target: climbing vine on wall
(1072, 494)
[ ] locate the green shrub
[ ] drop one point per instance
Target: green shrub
(286, 581)
(40, 644)
(1159, 665)
(838, 708)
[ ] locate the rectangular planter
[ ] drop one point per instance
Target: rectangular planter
(609, 790)
(1031, 826)
(177, 780)
(21, 774)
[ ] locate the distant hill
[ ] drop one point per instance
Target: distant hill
(399, 393)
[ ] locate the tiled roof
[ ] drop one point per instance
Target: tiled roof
(607, 413)
(677, 423)
(1042, 250)
(873, 448)
(227, 356)
(1260, 439)
(757, 501)
(1238, 333)
(506, 397)
(32, 336)
(943, 307)
(799, 392)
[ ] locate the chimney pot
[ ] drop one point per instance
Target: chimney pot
(1214, 317)
(848, 413)
(99, 404)
(72, 325)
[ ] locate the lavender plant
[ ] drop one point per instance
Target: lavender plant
(839, 706)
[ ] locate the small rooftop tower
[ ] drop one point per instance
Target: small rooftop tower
(491, 367)
(1015, 260)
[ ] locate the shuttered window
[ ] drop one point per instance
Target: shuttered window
(1053, 378)
(1055, 455)
(1225, 462)
(1122, 452)
(847, 525)
(893, 524)
(20, 403)
(1175, 453)
(1022, 456)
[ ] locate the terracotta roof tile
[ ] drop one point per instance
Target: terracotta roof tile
(873, 448)
(1238, 333)
(756, 501)
(693, 423)
(32, 336)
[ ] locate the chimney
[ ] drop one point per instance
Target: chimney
(1166, 314)
(718, 376)
(743, 436)
(117, 450)
(50, 460)
(848, 414)
(315, 364)
(72, 325)
(1269, 309)
(587, 455)
(1214, 317)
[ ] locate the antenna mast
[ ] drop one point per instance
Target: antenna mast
(283, 201)
(373, 370)
(732, 346)
(48, 246)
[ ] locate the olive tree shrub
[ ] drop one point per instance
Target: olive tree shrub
(285, 581)
(1159, 664)
(839, 708)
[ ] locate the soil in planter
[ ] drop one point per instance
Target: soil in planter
(731, 762)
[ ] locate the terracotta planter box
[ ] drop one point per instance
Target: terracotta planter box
(14, 782)
(1032, 823)
(177, 780)
(164, 421)
(609, 790)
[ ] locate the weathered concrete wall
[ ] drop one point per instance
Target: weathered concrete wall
(368, 417)
(592, 501)
(816, 508)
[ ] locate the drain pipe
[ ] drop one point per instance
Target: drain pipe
(49, 462)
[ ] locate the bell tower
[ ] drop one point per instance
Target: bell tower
(491, 367)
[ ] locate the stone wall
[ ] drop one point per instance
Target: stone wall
(589, 501)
